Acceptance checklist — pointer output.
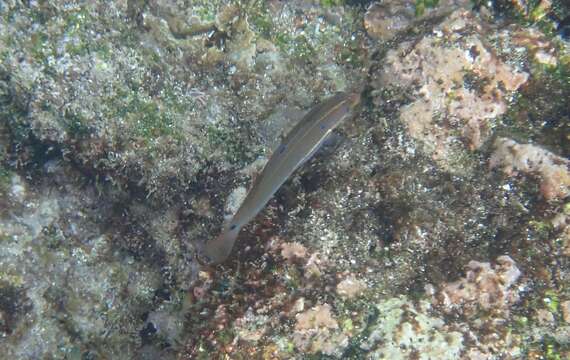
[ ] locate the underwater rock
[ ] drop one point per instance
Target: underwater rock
(484, 287)
(554, 171)
(134, 125)
(314, 266)
(384, 20)
(480, 305)
(404, 330)
(251, 327)
(541, 49)
(317, 331)
(350, 287)
(458, 86)
(566, 241)
(54, 247)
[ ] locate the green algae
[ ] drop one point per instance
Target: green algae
(551, 349)
(330, 3)
(261, 20)
(551, 301)
(145, 118)
(233, 148)
(422, 5)
(541, 14)
(296, 46)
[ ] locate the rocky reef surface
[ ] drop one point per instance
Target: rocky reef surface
(435, 225)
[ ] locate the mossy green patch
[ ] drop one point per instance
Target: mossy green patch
(351, 53)
(541, 228)
(150, 122)
(347, 325)
(552, 349)
(422, 5)
(259, 18)
(535, 13)
(76, 19)
(76, 125)
(296, 46)
(225, 336)
(234, 148)
(13, 279)
(329, 3)
(206, 10)
(145, 116)
(520, 322)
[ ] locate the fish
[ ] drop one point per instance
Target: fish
(297, 147)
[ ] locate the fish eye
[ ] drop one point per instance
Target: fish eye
(233, 227)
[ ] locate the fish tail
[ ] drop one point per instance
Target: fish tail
(218, 249)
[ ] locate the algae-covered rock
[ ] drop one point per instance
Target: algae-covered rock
(459, 87)
(554, 171)
(129, 130)
(403, 331)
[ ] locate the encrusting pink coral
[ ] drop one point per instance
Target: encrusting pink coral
(484, 287)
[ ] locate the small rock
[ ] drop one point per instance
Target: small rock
(483, 287)
(350, 287)
(316, 317)
(299, 305)
(317, 331)
(545, 58)
(514, 158)
(384, 21)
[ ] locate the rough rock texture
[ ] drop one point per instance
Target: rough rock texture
(458, 86)
(350, 287)
(129, 129)
(483, 288)
(316, 331)
(552, 170)
(405, 331)
(59, 277)
(384, 20)
(387, 19)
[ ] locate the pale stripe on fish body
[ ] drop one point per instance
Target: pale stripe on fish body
(297, 147)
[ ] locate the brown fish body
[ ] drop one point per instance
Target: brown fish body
(297, 147)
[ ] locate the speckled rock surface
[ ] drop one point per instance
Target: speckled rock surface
(130, 129)
(553, 171)
(458, 86)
